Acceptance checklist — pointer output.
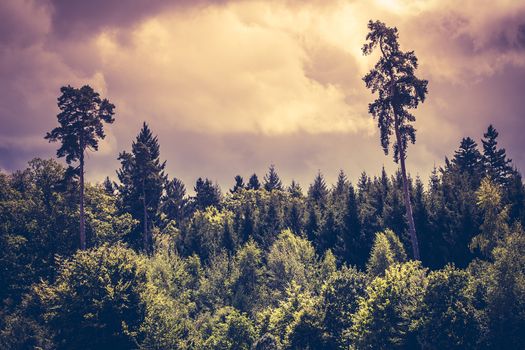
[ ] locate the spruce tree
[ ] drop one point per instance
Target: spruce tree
(207, 194)
(81, 117)
(468, 158)
(271, 180)
(253, 183)
(494, 158)
(295, 189)
(318, 193)
(142, 181)
(399, 91)
(239, 184)
(174, 201)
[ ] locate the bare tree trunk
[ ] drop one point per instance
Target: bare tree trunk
(408, 204)
(82, 217)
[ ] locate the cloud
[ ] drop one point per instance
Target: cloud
(231, 87)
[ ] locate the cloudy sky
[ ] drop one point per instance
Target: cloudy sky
(230, 87)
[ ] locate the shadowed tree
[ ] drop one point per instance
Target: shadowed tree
(239, 184)
(271, 180)
(253, 183)
(399, 90)
(495, 159)
(81, 117)
(142, 183)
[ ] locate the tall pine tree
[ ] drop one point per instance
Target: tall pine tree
(81, 117)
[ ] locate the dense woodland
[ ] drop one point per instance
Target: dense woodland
(263, 265)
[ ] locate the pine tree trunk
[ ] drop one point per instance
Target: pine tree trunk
(82, 218)
(408, 204)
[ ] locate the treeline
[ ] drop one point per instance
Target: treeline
(264, 265)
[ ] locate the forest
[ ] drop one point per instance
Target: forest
(142, 262)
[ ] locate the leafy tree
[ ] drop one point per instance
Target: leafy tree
(81, 126)
(229, 330)
(449, 318)
(253, 183)
(505, 292)
(341, 296)
(385, 317)
(95, 301)
(494, 226)
(142, 181)
(386, 251)
(267, 342)
(272, 181)
(399, 91)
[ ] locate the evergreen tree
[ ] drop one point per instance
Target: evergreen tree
(207, 194)
(495, 160)
(253, 183)
(295, 189)
(318, 193)
(399, 91)
(239, 184)
(142, 181)
(271, 180)
(81, 126)
(468, 158)
(174, 201)
(109, 187)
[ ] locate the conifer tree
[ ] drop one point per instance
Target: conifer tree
(109, 187)
(318, 193)
(81, 117)
(494, 159)
(468, 158)
(295, 189)
(271, 180)
(239, 184)
(399, 91)
(207, 194)
(173, 204)
(253, 183)
(142, 181)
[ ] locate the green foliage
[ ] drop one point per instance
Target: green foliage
(229, 329)
(142, 181)
(96, 300)
(341, 295)
(386, 251)
(386, 316)
(449, 318)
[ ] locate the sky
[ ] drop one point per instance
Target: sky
(231, 87)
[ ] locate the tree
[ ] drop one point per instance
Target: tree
(95, 301)
(253, 183)
(239, 184)
(174, 201)
(494, 159)
(468, 158)
(207, 194)
(81, 126)
(142, 183)
(386, 251)
(317, 192)
(449, 319)
(271, 180)
(399, 91)
(393, 302)
(494, 227)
